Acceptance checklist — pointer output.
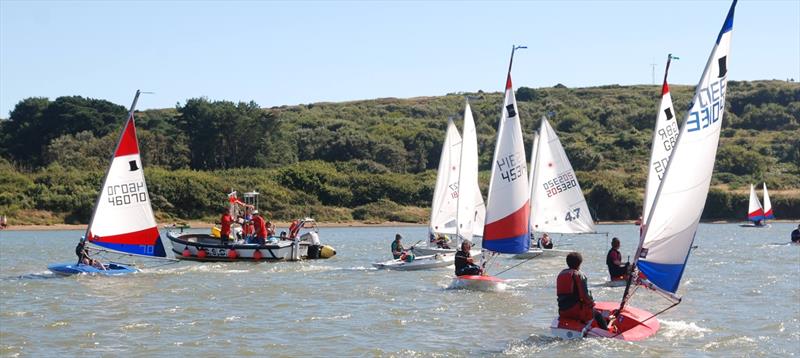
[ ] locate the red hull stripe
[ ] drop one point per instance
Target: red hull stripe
(143, 237)
(513, 225)
(128, 144)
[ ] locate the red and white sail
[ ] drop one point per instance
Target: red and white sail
(754, 210)
(123, 217)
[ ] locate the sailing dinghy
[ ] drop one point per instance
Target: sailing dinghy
(122, 221)
(508, 203)
(669, 232)
(756, 214)
(457, 200)
(557, 202)
(419, 263)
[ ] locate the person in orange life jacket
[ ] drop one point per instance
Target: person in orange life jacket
(574, 299)
(261, 229)
(464, 263)
(545, 242)
(225, 222)
(616, 269)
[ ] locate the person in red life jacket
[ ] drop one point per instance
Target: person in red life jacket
(294, 229)
(574, 299)
(616, 269)
(261, 228)
(225, 225)
(545, 242)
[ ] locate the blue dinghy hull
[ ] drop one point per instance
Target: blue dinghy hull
(69, 269)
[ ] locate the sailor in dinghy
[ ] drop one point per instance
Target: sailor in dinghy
(122, 222)
(669, 231)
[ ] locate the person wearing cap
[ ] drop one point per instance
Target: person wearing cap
(261, 228)
(397, 247)
(464, 263)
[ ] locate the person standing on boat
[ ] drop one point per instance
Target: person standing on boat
(575, 301)
(397, 247)
(225, 222)
(616, 269)
(261, 228)
(796, 235)
(464, 263)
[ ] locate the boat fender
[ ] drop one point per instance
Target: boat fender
(186, 252)
(201, 254)
(257, 255)
(232, 254)
(327, 252)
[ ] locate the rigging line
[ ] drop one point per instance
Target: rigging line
(501, 272)
(646, 319)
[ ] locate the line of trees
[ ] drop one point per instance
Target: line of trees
(366, 159)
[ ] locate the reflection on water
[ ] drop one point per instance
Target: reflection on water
(741, 294)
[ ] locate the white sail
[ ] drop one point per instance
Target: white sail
(557, 202)
(469, 198)
(123, 217)
(445, 195)
(675, 213)
(665, 135)
(767, 205)
(754, 210)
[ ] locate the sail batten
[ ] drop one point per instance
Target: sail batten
(670, 228)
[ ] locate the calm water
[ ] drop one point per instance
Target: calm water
(741, 297)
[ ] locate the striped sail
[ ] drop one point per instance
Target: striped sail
(445, 194)
(664, 136)
(123, 218)
(470, 201)
(508, 204)
(767, 205)
(675, 213)
(557, 202)
(754, 210)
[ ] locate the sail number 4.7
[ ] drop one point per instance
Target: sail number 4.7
(511, 167)
(125, 194)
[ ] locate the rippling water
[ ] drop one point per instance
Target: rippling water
(741, 297)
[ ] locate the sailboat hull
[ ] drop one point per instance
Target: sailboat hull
(633, 324)
(764, 226)
(111, 269)
(419, 263)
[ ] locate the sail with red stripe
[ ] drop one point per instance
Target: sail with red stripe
(508, 204)
(767, 205)
(754, 211)
(123, 217)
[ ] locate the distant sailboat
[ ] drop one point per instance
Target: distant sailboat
(557, 202)
(452, 208)
(508, 204)
(669, 232)
(756, 214)
(123, 220)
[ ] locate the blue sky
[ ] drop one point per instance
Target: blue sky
(301, 52)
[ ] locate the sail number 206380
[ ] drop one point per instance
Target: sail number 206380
(128, 193)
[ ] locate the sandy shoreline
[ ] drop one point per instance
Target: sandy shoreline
(206, 225)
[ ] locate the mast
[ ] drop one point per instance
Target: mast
(111, 161)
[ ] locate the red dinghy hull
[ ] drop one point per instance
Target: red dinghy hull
(633, 324)
(479, 283)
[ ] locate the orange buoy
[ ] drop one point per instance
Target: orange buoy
(232, 254)
(186, 252)
(257, 255)
(201, 254)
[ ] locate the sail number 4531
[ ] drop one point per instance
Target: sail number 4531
(511, 167)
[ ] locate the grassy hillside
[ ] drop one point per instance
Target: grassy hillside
(375, 160)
